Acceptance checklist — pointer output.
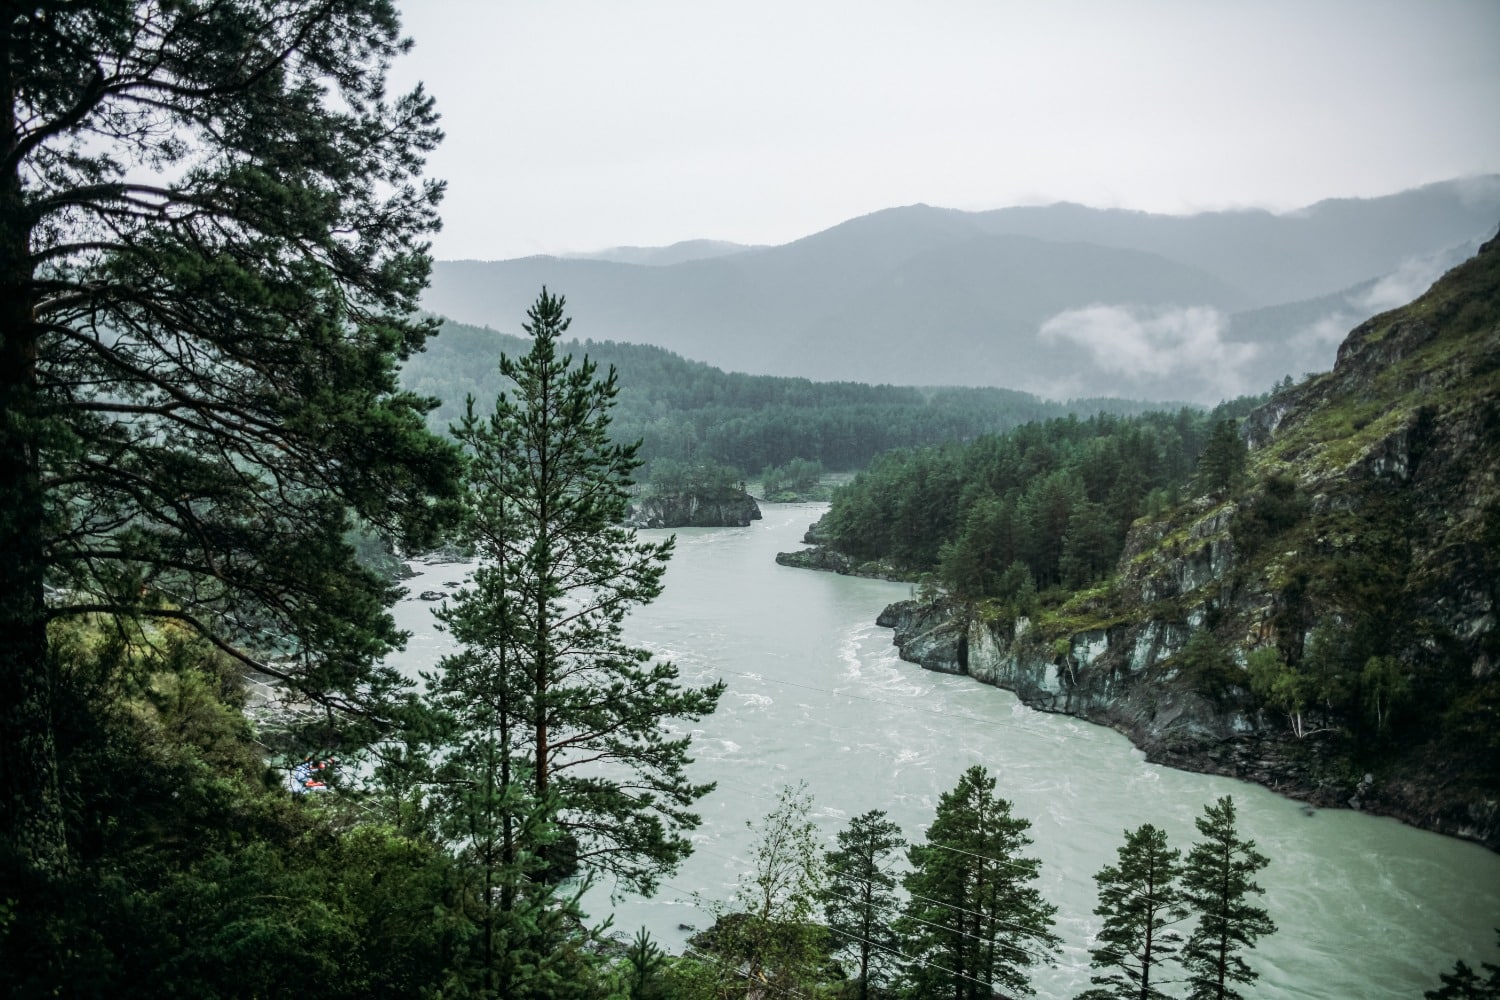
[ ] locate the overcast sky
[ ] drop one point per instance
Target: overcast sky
(575, 125)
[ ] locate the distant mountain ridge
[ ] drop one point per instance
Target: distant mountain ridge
(1320, 617)
(1060, 300)
(677, 253)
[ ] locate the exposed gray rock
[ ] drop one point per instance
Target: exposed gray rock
(831, 561)
(716, 509)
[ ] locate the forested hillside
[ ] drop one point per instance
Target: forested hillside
(690, 412)
(1044, 505)
(1315, 610)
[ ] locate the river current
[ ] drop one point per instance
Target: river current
(1366, 907)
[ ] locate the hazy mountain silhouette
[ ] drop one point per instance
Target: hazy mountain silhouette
(1062, 300)
(677, 253)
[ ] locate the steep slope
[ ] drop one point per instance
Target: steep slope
(1328, 626)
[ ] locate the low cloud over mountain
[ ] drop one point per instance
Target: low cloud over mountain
(1145, 351)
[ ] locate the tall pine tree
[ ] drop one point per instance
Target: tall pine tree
(580, 717)
(859, 897)
(211, 248)
(1217, 880)
(974, 923)
(1140, 902)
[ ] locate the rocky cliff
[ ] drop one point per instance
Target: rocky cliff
(695, 509)
(824, 557)
(1327, 627)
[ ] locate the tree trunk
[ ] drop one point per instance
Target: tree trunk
(32, 818)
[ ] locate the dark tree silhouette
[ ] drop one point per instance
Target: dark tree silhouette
(211, 223)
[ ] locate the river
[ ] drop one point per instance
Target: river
(1366, 907)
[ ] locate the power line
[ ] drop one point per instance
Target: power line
(910, 959)
(1037, 956)
(880, 701)
(926, 899)
(860, 697)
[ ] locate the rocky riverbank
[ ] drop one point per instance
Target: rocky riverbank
(694, 509)
(1119, 677)
(826, 559)
(1325, 620)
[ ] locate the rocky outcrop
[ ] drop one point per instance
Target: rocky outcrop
(819, 558)
(1372, 512)
(1112, 676)
(830, 560)
(1124, 678)
(816, 534)
(695, 509)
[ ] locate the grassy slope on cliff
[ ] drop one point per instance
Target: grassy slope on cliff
(1355, 568)
(1317, 607)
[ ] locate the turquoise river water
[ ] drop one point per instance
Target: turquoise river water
(1366, 907)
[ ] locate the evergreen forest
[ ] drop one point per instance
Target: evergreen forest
(216, 388)
(1045, 506)
(692, 414)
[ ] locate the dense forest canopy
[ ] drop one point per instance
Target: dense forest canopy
(693, 413)
(1048, 503)
(211, 225)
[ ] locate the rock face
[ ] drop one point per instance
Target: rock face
(1118, 677)
(695, 509)
(830, 560)
(1372, 515)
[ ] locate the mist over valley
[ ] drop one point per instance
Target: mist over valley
(1063, 301)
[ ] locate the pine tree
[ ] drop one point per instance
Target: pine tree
(529, 930)
(974, 923)
(528, 926)
(1463, 983)
(211, 223)
(645, 964)
(1140, 901)
(579, 716)
(859, 897)
(1217, 880)
(1221, 467)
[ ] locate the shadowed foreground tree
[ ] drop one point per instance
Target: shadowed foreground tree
(1140, 901)
(1217, 881)
(1463, 983)
(859, 897)
(974, 923)
(210, 252)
